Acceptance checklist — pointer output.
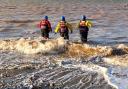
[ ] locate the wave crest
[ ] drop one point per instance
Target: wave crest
(29, 46)
(33, 46)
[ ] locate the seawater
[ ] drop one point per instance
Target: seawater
(28, 62)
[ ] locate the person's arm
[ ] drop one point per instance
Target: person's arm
(70, 27)
(39, 25)
(78, 25)
(49, 25)
(89, 24)
(57, 28)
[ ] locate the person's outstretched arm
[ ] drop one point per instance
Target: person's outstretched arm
(57, 28)
(89, 24)
(78, 25)
(49, 26)
(70, 27)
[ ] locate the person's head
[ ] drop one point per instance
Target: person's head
(63, 18)
(83, 17)
(46, 17)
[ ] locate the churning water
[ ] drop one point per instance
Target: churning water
(26, 62)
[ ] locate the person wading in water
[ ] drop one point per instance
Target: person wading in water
(45, 27)
(83, 27)
(63, 28)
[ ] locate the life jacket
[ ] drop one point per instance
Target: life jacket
(83, 23)
(83, 26)
(63, 27)
(44, 24)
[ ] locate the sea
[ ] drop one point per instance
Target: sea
(27, 61)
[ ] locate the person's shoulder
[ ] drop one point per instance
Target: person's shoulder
(89, 20)
(67, 23)
(47, 21)
(43, 20)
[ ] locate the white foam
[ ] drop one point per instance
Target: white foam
(95, 68)
(119, 77)
(29, 46)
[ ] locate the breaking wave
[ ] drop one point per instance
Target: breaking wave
(67, 49)
(29, 46)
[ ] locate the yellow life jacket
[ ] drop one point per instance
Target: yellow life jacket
(63, 26)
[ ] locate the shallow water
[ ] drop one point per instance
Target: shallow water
(19, 18)
(56, 62)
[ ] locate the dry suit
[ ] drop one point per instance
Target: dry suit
(63, 28)
(83, 27)
(45, 27)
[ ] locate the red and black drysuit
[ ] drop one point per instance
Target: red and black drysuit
(45, 27)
